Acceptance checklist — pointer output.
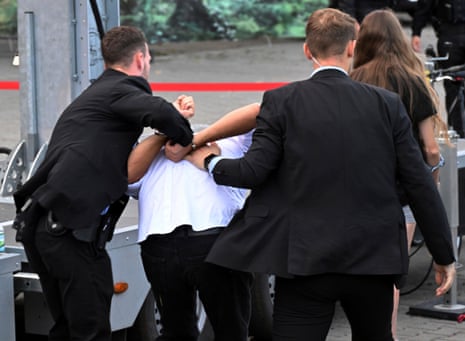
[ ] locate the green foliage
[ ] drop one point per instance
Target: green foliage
(8, 18)
(184, 20)
(171, 20)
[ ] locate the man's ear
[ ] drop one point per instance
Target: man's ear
(139, 60)
(307, 51)
(351, 48)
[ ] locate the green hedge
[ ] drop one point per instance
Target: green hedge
(186, 20)
(8, 18)
(181, 20)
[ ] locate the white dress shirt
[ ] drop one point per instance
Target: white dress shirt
(172, 194)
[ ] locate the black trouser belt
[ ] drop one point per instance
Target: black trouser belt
(187, 231)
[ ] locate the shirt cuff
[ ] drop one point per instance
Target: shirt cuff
(213, 163)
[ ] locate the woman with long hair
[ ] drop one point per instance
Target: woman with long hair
(384, 57)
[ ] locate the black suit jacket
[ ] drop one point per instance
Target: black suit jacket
(85, 168)
(322, 167)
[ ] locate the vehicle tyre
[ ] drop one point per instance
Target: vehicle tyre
(144, 327)
(5, 150)
(147, 326)
(119, 335)
(4, 153)
(262, 307)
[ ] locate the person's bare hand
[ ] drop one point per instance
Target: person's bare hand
(198, 156)
(445, 276)
(185, 105)
(176, 152)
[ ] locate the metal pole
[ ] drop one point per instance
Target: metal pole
(31, 86)
(446, 307)
(448, 188)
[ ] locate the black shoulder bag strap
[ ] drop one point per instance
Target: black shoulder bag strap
(98, 18)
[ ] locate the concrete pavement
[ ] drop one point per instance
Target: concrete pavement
(264, 60)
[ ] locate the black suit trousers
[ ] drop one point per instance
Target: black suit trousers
(76, 281)
(304, 306)
(175, 267)
(453, 45)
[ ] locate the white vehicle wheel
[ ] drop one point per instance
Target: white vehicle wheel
(262, 307)
(148, 325)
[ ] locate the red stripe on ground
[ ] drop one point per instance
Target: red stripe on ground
(9, 85)
(178, 87)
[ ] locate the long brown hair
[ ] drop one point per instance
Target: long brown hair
(384, 57)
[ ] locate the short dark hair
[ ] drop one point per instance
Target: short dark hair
(120, 44)
(328, 32)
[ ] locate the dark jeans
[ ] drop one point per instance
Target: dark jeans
(454, 46)
(364, 7)
(175, 267)
(304, 306)
(77, 283)
(360, 8)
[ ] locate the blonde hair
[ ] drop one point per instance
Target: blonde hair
(328, 32)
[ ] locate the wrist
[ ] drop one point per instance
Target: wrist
(440, 164)
(197, 141)
(208, 159)
(158, 133)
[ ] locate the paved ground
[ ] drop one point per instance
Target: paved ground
(262, 60)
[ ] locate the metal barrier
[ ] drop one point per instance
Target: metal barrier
(448, 307)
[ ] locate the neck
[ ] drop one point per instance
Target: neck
(331, 62)
(118, 68)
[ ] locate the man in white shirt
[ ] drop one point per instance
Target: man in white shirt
(181, 213)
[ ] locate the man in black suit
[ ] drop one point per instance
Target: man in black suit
(323, 214)
(67, 210)
(360, 8)
(448, 19)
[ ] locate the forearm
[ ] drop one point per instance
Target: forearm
(145, 110)
(236, 122)
(430, 146)
(163, 116)
(432, 159)
(432, 154)
(142, 156)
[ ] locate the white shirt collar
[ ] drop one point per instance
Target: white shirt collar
(322, 68)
